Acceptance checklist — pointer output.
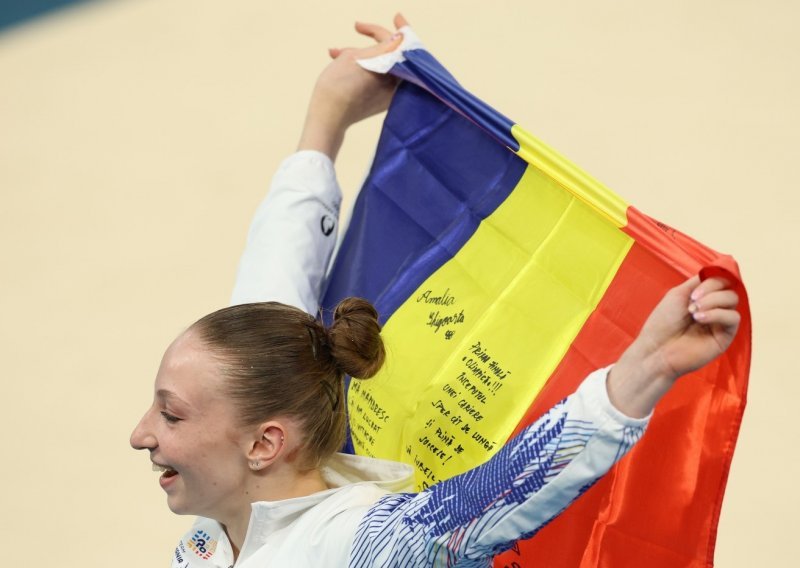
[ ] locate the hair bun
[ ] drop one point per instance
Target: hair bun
(355, 339)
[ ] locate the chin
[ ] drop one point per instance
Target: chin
(179, 508)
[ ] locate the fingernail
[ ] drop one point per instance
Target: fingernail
(693, 307)
(696, 295)
(699, 316)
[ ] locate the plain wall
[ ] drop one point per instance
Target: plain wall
(137, 137)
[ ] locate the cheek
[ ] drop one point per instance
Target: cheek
(217, 460)
(178, 448)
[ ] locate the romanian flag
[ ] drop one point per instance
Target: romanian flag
(504, 274)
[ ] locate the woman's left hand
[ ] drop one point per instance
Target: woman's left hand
(692, 325)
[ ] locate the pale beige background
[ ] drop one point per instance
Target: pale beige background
(136, 138)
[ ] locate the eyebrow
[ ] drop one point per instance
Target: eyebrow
(171, 396)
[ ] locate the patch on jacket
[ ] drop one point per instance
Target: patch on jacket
(202, 544)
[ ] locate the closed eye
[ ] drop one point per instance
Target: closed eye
(169, 417)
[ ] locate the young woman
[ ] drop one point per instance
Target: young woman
(248, 412)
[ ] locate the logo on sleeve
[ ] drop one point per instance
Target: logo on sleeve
(202, 544)
(327, 224)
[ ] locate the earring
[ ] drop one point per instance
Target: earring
(255, 464)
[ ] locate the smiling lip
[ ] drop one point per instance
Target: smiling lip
(168, 474)
(167, 478)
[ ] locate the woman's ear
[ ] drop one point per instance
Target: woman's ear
(268, 446)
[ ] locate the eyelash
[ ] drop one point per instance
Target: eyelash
(169, 417)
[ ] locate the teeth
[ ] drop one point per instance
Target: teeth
(160, 468)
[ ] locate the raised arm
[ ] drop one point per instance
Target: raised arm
(484, 511)
(539, 473)
(293, 233)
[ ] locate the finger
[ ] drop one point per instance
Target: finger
(400, 21)
(691, 283)
(682, 291)
(726, 299)
(381, 48)
(337, 51)
(709, 285)
(728, 319)
(376, 32)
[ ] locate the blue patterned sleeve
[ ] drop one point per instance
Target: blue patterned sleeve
(467, 520)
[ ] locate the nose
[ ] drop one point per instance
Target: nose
(142, 437)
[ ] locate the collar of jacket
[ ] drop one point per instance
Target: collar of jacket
(353, 481)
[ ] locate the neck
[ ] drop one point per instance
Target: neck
(269, 485)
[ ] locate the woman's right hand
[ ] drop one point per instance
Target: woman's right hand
(346, 93)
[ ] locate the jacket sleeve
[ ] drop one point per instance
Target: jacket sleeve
(292, 236)
(468, 519)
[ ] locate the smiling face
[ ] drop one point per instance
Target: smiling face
(191, 430)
